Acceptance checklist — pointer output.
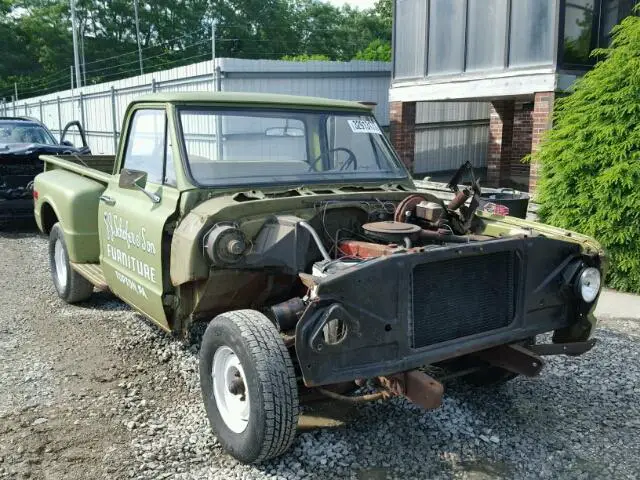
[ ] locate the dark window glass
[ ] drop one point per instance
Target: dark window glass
(588, 25)
(21, 132)
(612, 12)
(580, 28)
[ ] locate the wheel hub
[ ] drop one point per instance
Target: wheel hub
(60, 258)
(229, 389)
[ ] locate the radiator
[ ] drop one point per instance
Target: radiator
(461, 297)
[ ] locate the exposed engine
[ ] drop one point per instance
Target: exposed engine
(340, 235)
(416, 223)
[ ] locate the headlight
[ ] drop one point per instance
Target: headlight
(589, 284)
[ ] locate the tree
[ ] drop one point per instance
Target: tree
(377, 50)
(590, 160)
(38, 43)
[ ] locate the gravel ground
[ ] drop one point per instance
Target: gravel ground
(94, 391)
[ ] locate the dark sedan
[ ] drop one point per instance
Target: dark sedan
(22, 141)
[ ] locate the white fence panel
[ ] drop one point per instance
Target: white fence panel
(94, 105)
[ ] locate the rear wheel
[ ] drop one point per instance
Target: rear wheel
(248, 386)
(70, 285)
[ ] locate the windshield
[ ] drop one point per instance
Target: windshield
(249, 146)
(20, 132)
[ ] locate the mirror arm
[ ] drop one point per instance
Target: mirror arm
(154, 198)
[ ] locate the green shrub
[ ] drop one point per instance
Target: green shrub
(590, 160)
(377, 50)
(305, 57)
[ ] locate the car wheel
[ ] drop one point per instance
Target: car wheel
(248, 386)
(70, 285)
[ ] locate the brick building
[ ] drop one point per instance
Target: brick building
(517, 55)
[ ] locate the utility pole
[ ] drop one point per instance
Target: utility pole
(84, 63)
(15, 89)
(135, 12)
(72, 95)
(213, 54)
(217, 118)
(76, 54)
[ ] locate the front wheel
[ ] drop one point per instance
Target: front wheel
(70, 285)
(248, 386)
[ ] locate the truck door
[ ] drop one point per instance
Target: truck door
(132, 225)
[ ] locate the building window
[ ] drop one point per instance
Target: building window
(580, 31)
(587, 25)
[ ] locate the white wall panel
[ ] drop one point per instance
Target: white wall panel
(356, 80)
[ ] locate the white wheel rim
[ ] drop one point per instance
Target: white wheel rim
(228, 375)
(60, 259)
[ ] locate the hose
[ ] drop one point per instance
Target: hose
(315, 236)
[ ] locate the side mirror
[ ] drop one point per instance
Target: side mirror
(132, 179)
(136, 180)
(66, 143)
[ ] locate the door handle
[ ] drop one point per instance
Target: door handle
(108, 200)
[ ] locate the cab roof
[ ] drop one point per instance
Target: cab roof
(263, 99)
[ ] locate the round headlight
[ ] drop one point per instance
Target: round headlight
(589, 284)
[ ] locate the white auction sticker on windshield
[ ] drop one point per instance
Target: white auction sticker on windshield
(364, 126)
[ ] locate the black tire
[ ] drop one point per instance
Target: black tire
(70, 285)
(269, 379)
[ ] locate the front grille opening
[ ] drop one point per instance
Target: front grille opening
(461, 297)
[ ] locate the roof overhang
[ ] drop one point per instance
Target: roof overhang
(485, 86)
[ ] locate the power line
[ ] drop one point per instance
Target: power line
(161, 67)
(56, 79)
(112, 67)
(133, 52)
(221, 26)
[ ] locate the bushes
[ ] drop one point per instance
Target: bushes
(590, 160)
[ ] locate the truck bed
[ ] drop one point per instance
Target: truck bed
(96, 167)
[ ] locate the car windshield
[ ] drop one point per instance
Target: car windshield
(252, 146)
(21, 132)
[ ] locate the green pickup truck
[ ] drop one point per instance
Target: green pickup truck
(290, 226)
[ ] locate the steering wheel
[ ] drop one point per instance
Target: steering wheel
(350, 160)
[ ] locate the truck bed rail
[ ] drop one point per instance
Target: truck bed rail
(97, 167)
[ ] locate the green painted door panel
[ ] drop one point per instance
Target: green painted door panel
(131, 253)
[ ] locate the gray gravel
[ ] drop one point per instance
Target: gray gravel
(94, 391)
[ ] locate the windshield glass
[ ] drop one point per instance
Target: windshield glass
(250, 146)
(20, 132)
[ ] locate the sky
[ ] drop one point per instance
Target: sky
(354, 3)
